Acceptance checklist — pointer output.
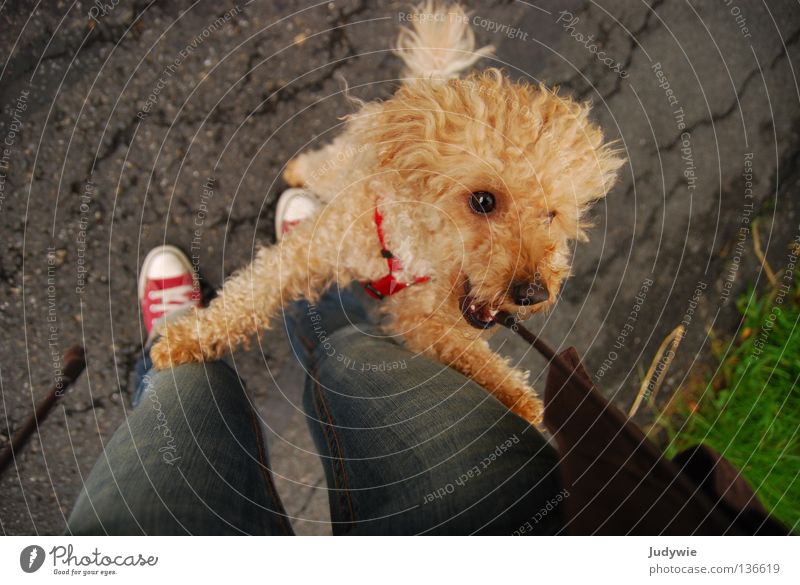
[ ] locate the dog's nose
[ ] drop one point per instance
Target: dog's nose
(530, 293)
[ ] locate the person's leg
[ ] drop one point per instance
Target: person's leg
(191, 458)
(410, 446)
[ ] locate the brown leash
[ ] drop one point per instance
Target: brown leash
(74, 363)
(508, 320)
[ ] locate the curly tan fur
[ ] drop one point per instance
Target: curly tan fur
(418, 157)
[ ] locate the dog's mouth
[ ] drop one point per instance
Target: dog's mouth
(479, 315)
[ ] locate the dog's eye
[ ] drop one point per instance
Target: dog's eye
(482, 202)
(551, 216)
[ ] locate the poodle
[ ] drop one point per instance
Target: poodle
(452, 200)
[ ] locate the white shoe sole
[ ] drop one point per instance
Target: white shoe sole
(283, 203)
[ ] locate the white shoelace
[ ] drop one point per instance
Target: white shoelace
(172, 299)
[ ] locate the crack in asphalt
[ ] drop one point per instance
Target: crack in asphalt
(739, 93)
(633, 41)
(100, 33)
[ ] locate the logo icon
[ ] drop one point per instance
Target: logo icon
(31, 558)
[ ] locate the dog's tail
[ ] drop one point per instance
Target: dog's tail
(440, 42)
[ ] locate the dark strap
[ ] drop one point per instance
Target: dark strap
(619, 482)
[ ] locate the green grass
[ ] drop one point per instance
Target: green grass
(749, 408)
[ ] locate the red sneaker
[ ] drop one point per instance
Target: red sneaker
(167, 283)
(294, 205)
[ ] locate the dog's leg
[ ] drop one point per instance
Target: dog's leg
(456, 344)
(279, 274)
(330, 169)
(317, 169)
(495, 373)
(297, 170)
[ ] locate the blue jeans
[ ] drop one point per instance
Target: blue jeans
(408, 445)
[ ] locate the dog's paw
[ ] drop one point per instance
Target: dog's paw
(177, 345)
(293, 175)
(521, 398)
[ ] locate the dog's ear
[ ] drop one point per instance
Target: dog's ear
(604, 165)
(573, 162)
(600, 173)
(576, 159)
(608, 159)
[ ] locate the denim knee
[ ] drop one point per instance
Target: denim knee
(412, 446)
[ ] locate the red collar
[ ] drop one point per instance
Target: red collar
(388, 285)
